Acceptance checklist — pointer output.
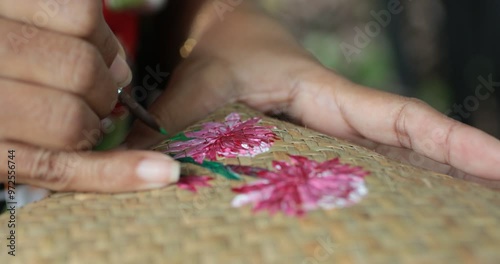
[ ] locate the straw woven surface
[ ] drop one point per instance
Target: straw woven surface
(409, 216)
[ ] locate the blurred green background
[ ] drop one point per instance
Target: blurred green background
(323, 25)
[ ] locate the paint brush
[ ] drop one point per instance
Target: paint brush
(138, 111)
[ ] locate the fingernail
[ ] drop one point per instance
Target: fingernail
(158, 172)
(121, 71)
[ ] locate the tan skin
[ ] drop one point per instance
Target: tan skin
(248, 58)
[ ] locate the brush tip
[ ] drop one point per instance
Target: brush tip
(163, 131)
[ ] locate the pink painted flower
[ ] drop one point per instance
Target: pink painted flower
(232, 138)
(303, 185)
(191, 183)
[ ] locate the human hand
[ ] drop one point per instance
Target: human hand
(59, 75)
(250, 59)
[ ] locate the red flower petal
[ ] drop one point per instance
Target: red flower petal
(302, 184)
(191, 183)
(230, 139)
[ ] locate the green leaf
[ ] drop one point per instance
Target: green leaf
(180, 137)
(214, 167)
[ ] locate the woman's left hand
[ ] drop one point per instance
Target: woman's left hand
(251, 59)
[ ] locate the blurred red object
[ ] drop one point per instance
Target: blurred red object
(125, 25)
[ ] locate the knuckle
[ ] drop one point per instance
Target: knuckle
(83, 61)
(109, 47)
(409, 103)
(87, 20)
(415, 102)
(408, 106)
(444, 139)
(72, 122)
(50, 169)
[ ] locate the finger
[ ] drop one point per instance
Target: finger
(337, 106)
(60, 62)
(45, 117)
(193, 93)
(90, 171)
(82, 19)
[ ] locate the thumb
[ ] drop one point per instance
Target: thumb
(193, 93)
(114, 171)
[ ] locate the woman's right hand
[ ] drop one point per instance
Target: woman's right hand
(60, 70)
(59, 74)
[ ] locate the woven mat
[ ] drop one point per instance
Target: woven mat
(409, 216)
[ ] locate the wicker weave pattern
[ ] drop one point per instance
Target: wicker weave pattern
(409, 216)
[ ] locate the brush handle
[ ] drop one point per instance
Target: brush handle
(137, 110)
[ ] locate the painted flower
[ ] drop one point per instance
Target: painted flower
(303, 185)
(192, 183)
(229, 139)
